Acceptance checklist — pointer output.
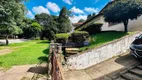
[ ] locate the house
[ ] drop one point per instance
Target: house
(99, 18)
(77, 24)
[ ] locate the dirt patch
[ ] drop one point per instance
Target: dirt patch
(5, 51)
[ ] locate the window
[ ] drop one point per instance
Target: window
(140, 37)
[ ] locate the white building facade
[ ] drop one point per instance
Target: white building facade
(133, 25)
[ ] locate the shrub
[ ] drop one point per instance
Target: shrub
(79, 36)
(93, 28)
(62, 37)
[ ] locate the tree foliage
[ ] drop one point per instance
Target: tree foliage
(35, 29)
(64, 24)
(122, 11)
(91, 15)
(11, 14)
(49, 25)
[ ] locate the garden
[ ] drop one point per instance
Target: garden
(88, 37)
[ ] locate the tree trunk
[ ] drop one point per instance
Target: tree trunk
(126, 25)
(7, 42)
(41, 36)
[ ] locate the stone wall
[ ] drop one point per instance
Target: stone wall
(97, 55)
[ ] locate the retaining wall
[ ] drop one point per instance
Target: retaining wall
(102, 53)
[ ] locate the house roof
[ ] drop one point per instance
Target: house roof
(100, 13)
(88, 21)
(109, 3)
(79, 23)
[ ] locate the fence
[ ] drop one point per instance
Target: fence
(55, 70)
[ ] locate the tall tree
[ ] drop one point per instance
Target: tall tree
(63, 21)
(91, 15)
(11, 12)
(49, 25)
(26, 24)
(123, 11)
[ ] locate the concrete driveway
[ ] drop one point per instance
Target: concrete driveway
(13, 41)
(107, 70)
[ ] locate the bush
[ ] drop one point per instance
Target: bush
(93, 28)
(61, 38)
(79, 36)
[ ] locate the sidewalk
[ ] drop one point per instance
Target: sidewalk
(107, 70)
(25, 72)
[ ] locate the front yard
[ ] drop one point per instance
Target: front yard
(30, 52)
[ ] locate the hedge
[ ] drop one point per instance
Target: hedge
(61, 38)
(79, 36)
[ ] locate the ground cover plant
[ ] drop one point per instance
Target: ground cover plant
(30, 52)
(102, 38)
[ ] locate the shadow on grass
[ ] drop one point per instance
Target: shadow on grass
(43, 42)
(2, 44)
(1, 63)
(46, 51)
(43, 59)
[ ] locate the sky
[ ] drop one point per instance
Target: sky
(79, 8)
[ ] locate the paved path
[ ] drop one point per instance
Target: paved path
(134, 73)
(25, 72)
(13, 41)
(107, 70)
(15, 73)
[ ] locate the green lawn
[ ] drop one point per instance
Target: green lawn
(102, 38)
(30, 52)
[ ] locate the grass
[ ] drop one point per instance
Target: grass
(62, 35)
(30, 52)
(102, 38)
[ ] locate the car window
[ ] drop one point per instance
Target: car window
(140, 37)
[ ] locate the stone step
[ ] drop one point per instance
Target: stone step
(137, 72)
(120, 78)
(130, 76)
(140, 67)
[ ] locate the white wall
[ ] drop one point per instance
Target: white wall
(97, 55)
(133, 25)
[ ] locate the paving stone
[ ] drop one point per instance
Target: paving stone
(140, 67)
(120, 78)
(131, 76)
(136, 72)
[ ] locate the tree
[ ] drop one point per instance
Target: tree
(94, 14)
(81, 20)
(49, 25)
(123, 11)
(89, 16)
(55, 18)
(26, 24)
(64, 24)
(35, 29)
(11, 12)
